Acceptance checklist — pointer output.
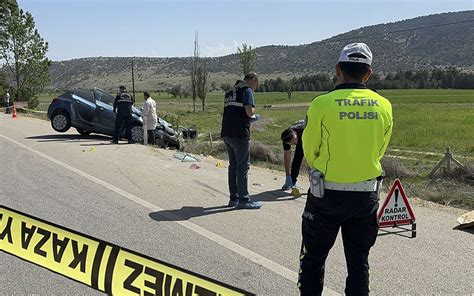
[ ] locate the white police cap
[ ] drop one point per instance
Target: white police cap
(361, 49)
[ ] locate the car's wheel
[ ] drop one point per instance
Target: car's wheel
(83, 132)
(61, 121)
(137, 133)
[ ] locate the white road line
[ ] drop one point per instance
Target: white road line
(250, 255)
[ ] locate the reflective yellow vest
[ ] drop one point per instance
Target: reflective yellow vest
(347, 132)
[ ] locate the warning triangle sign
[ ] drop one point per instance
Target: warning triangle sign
(396, 210)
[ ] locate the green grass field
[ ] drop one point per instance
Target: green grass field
(432, 120)
(426, 120)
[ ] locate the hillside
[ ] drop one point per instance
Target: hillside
(413, 49)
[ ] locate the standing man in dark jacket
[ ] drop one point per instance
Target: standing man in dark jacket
(123, 108)
(6, 101)
(239, 109)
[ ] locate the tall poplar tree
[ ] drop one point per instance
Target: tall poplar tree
(247, 57)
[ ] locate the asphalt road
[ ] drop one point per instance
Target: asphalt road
(147, 201)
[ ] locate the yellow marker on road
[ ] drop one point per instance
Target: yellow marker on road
(295, 192)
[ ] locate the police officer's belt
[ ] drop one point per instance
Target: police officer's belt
(366, 186)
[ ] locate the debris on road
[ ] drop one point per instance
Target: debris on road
(194, 166)
(185, 157)
(257, 184)
(92, 149)
(466, 220)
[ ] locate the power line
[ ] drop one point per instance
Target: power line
(400, 31)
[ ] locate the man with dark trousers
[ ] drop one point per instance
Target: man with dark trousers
(123, 109)
(6, 101)
(347, 132)
(239, 109)
(292, 136)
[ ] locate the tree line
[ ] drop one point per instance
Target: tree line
(423, 79)
(429, 79)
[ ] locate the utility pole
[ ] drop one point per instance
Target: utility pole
(133, 83)
(195, 62)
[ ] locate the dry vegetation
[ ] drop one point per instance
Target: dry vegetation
(453, 189)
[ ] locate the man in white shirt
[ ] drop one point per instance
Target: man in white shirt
(150, 119)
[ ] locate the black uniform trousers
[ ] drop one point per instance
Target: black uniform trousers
(7, 110)
(356, 214)
(296, 163)
(120, 121)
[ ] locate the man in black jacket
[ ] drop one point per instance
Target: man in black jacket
(239, 109)
(123, 108)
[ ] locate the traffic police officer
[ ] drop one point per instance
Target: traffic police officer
(292, 136)
(347, 132)
(123, 108)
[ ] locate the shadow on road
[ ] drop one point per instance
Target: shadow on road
(106, 143)
(67, 138)
(186, 213)
(274, 195)
(468, 230)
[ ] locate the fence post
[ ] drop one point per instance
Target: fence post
(449, 158)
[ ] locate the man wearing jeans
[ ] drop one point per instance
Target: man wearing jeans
(239, 108)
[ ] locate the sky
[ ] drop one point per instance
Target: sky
(165, 28)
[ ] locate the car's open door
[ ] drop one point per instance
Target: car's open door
(83, 106)
(104, 119)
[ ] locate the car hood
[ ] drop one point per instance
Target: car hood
(136, 111)
(168, 126)
(164, 123)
